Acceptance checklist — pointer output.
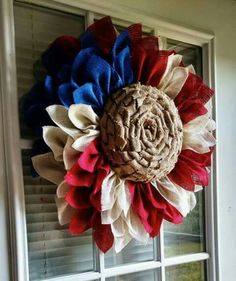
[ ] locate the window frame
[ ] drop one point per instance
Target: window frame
(14, 187)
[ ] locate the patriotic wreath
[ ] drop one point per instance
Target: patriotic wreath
(123, 131)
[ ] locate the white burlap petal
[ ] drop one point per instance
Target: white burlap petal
(191, 69)
(136, 228)
(84, 139)
(59, 115)
(198, 134)
(47, 167)
(174, 60)
(126, 228)
(86, 120)
(184, 201)
(110, 187)
(198, 188)
(80, 122)
(56, 139)
(123, 198)
(62, 189)
(65, 212)
(117, 211)
(70, 155)
(175, 76)
(83, 117)
(121, 234)
(111, 215)
(175, 81)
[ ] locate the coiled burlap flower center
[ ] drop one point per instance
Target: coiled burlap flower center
(141, 133)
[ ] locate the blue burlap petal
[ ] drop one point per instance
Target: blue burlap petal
(121, 58)
(65, 93)
(36, 116)
(91, 68)
(41, 95)
(122, 64)
(80, 60)
(50, 85)
(87, 40)
(90, 94)
(64, 73)
(122, 41)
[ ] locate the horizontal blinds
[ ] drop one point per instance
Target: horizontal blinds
(35, 29)
(52, 250)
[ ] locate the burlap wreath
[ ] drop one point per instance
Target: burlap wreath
(141, 133)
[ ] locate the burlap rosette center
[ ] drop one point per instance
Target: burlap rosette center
(141, 133)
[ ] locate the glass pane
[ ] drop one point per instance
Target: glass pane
(188, 237)
(133, 252)
(191, 54)
(183, 272)
(150, 275)
(52, 250)
(35, 29)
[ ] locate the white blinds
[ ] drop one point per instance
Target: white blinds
(52, 250)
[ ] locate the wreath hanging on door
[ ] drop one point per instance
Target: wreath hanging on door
(125, 133)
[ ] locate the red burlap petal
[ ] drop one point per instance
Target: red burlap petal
(90, 169)
(90, 157)
(135, 33)
(78, 197)
(85, 179)
(95, 197)
(104, 34)
(81, 221)
(149, 65)
(190, 170)
(192, 97)
(149, 43)
(102, 233)
(79, 177)
(182, 175)
(138, 204)
(151, 207)
(190, 109)
(67, 46)
(139, 56)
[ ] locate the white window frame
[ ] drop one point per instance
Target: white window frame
(12, 181)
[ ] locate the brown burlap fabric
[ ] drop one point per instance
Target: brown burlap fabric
(141, 133)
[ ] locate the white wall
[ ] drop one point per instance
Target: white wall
(219, 17)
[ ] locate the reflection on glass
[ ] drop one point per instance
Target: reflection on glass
(35, 29)
(133, 252)
(186, 272)
(52, 250)
(191, 54)
(187, 237)
(149, 275)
